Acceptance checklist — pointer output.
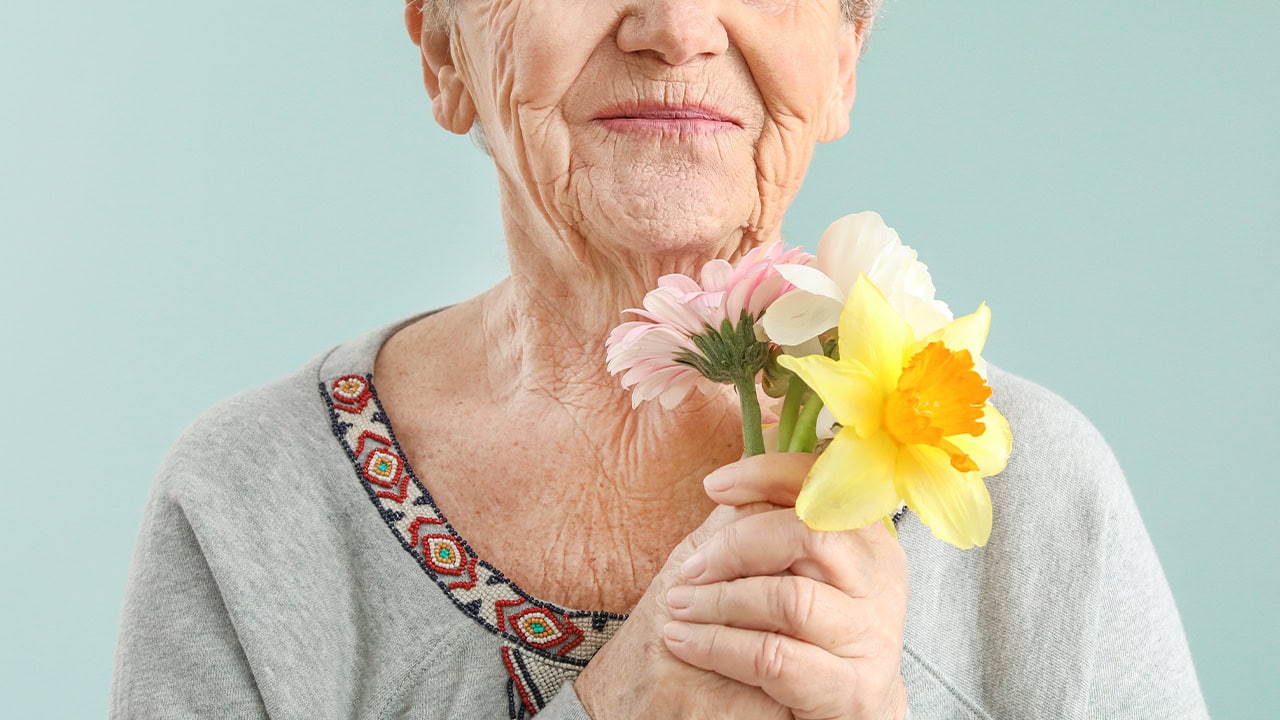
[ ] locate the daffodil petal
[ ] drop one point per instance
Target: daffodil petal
(848, 389)
(955, 505)
(966, 333)
(991, 449)
(926, 316)
(888, 525)
(873, 333)
(799, 316)
(851, 484)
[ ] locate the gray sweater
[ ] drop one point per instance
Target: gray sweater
(290, 565)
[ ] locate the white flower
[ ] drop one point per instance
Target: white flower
(855, 244)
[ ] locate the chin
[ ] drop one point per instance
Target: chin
(660, 215)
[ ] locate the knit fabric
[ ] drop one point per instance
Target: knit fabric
(279, 573)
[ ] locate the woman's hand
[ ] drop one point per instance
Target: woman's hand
(814, 619)
(634, 676)
(777, 621)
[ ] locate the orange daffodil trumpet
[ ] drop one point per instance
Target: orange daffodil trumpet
(915, 423)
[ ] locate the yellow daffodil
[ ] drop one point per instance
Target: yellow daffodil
(915, 424)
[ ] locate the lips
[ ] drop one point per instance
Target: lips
(658, 114)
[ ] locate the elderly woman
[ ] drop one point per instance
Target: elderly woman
(496, 532)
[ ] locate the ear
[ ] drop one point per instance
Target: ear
(451, 102)
(841, 103)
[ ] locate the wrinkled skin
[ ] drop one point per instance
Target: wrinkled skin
(537, 73)
(598, 199)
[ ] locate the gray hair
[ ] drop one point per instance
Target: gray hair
(438, 13)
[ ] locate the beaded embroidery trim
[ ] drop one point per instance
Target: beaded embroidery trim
(543, 646)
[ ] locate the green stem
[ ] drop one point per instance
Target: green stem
(805, 438)
(752, 433)
(790, 411)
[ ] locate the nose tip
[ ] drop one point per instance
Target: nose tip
(677, 31)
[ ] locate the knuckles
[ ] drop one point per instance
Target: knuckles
(796, 599)
(770, 659)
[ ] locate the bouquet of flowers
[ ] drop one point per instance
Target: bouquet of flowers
(870, 368)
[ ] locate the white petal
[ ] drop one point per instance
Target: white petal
(812, 280)
(808, 347)
(862, 243)
(826, 424)
(852, 245)
(799, 316)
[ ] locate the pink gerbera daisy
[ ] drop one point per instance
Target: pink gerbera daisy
(700, 334)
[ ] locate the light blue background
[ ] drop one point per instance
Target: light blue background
(199, 197)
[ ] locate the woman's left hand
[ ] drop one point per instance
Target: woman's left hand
(815, 619)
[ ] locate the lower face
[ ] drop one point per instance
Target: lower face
(629, 152)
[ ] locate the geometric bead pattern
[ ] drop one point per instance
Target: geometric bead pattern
(444, 554)
(533, 680)
(543, 645)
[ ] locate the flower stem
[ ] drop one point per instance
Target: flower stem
(805, 437)
(752, 433)
(790, 411)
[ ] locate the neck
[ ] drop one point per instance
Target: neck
(546, 362)
(542, 335)
(544, 331)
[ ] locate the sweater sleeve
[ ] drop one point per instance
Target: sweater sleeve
(1066, 612)
(564, 706)
(1142, 664)
(177, 655)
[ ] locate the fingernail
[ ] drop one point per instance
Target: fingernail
(680, 597)
(694, 566)
(677, 631)
(719, 480)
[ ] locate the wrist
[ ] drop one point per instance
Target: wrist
(899, 700)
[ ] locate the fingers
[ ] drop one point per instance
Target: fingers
(773, 478)
(799, 607)
(803, 677)
(857, 562)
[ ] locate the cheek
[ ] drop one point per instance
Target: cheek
(793, 57)
(538, 48)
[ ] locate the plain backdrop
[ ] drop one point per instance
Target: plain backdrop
(198, 198)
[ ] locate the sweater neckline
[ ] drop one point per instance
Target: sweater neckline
(543, 644)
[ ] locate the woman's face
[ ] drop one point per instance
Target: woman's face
(658, 127)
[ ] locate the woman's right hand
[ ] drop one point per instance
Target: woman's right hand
(787, 622)
(635, 676)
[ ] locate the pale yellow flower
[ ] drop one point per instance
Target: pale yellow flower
(915, 424)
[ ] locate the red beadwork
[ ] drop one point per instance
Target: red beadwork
(383, 468)
(370, 436)
(537, 627)
(444, 554)
(501, 607)
(416, 526)
(518, 681)
(469, 576)
(386, 468)
(351, 393)
(561, 629)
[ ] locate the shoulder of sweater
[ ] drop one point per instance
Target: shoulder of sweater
(1061, 465)
(240, 443)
